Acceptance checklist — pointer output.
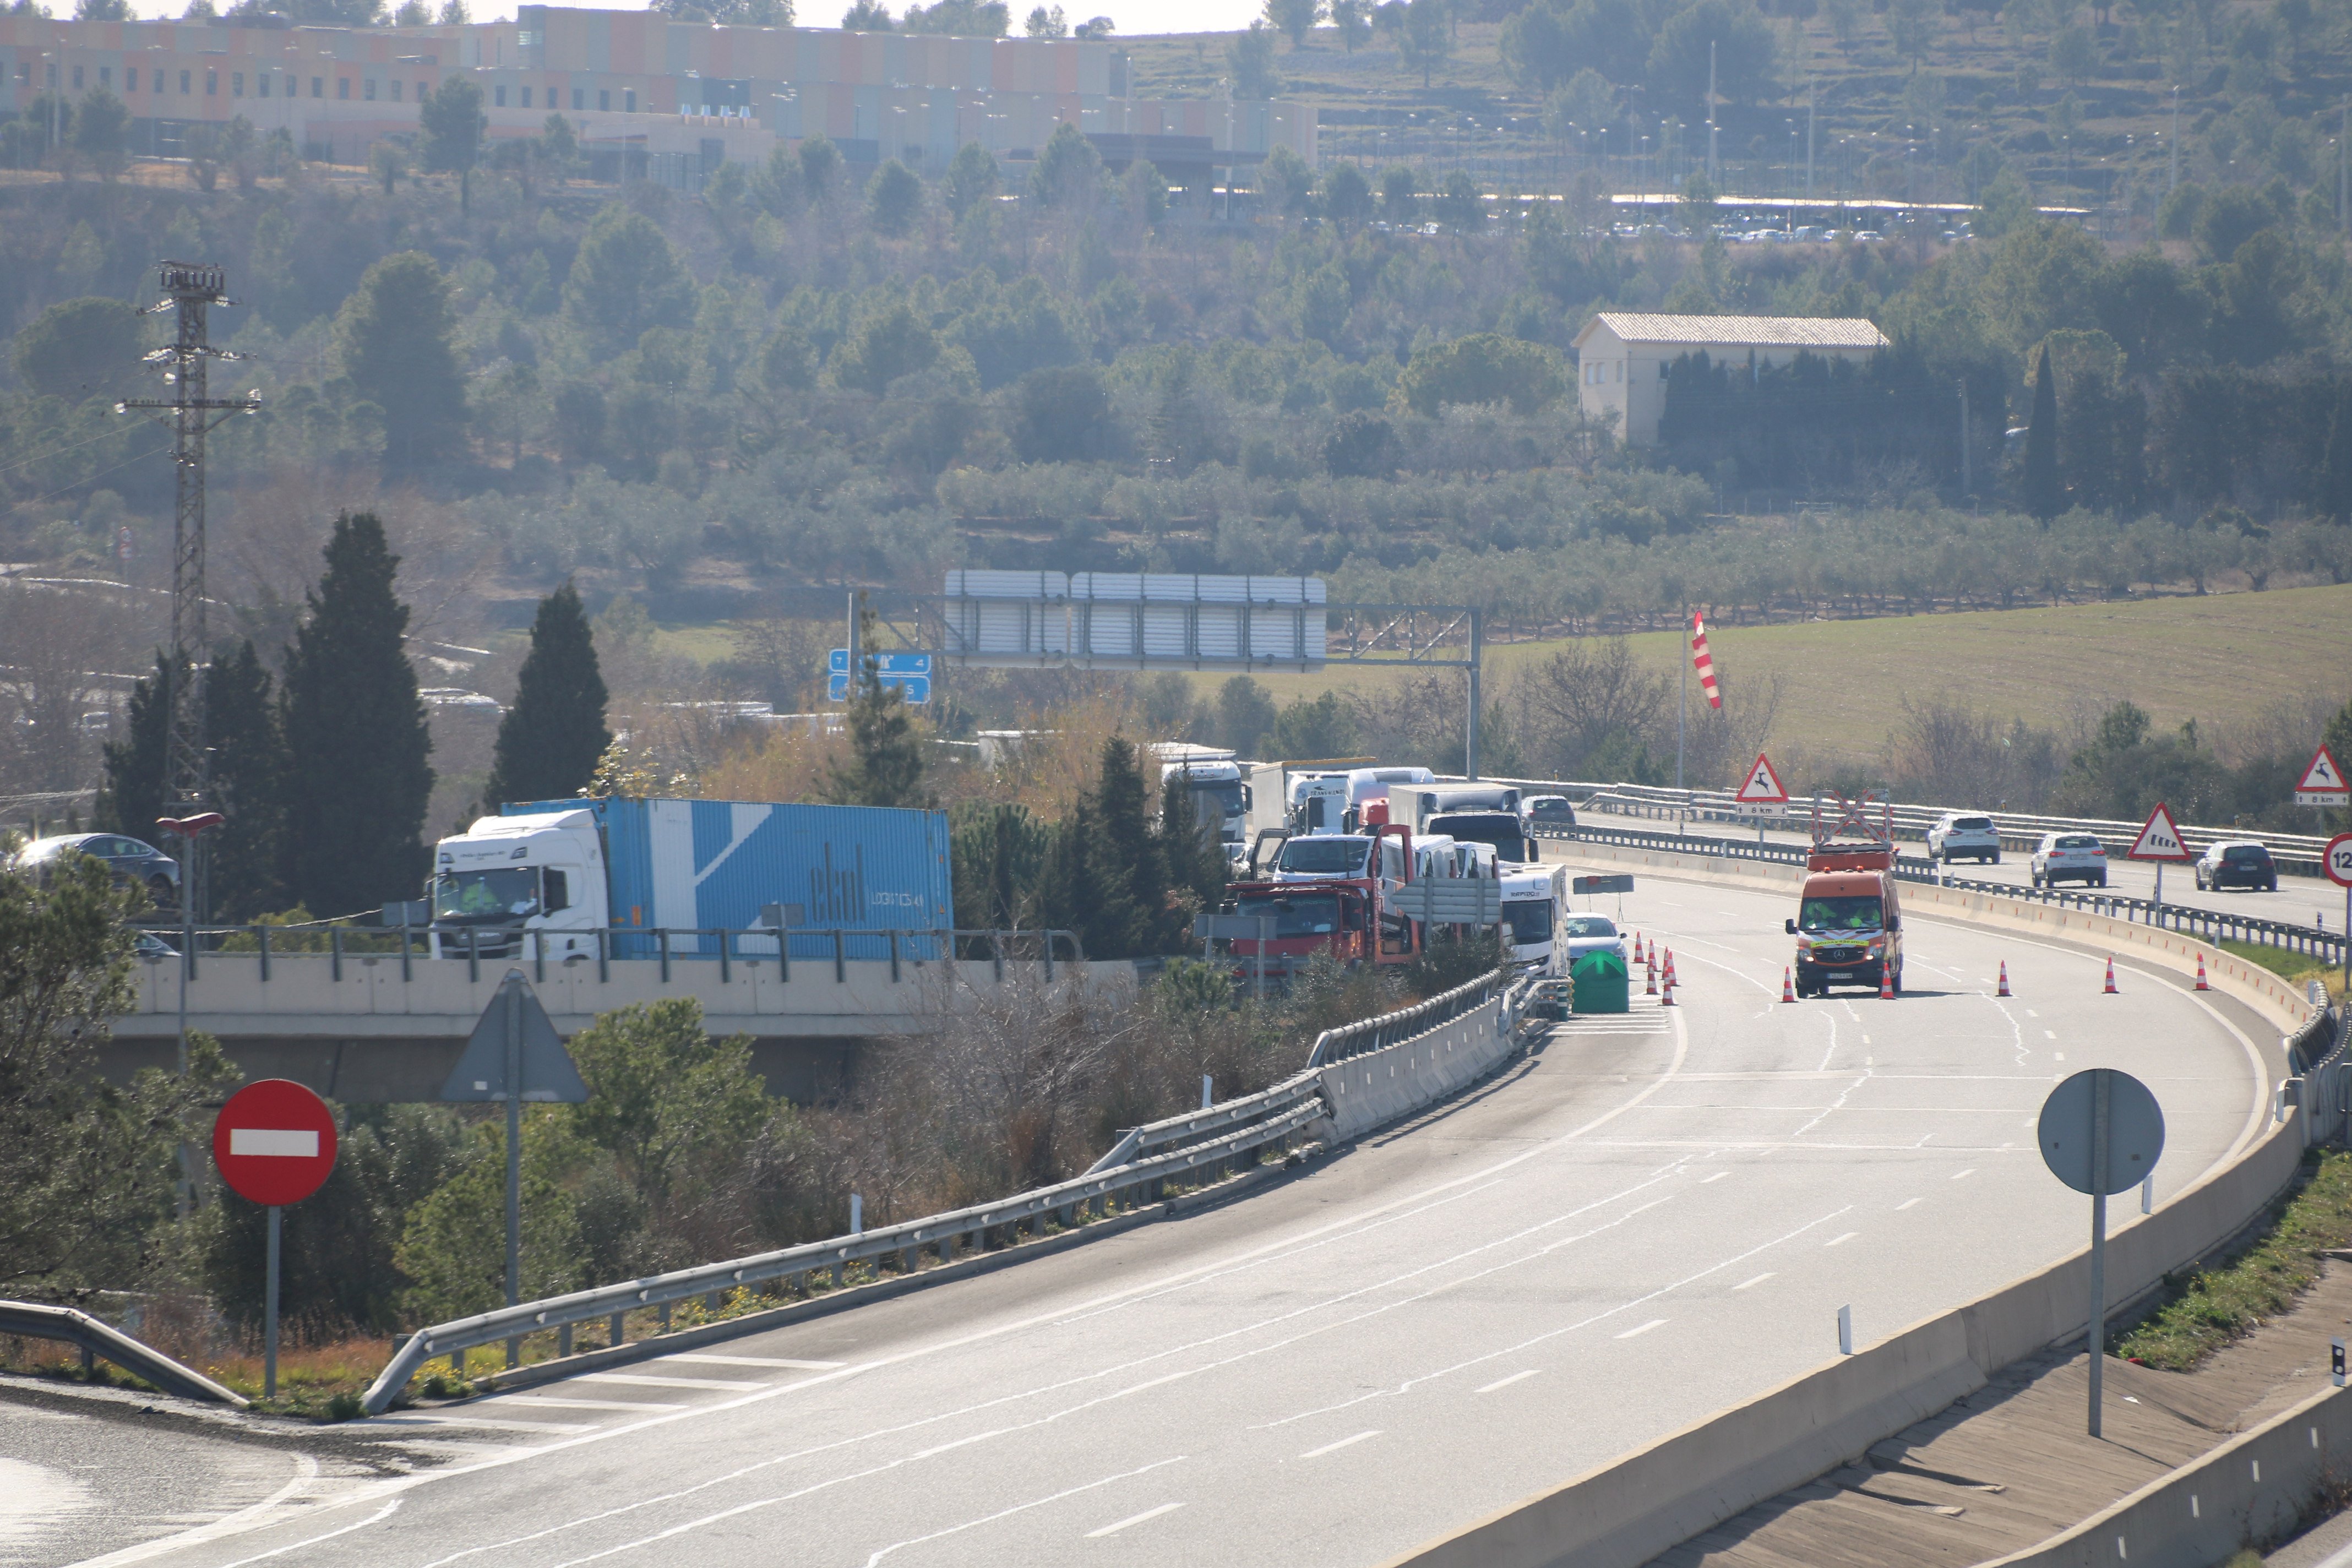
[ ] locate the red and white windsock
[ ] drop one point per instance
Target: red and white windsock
(1703, 661)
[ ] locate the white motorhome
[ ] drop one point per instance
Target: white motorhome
(1533, 902)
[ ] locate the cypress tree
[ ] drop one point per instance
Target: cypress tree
(357, 781)
(248, 763)
(1190, 848)
(1127, 879)
(133, 793)
(549, 740)
(885, 760)
(2043, 498)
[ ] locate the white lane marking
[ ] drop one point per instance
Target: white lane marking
(1716, 1178)
(1905, 1204)
(306, 1470)
(1506, 1381)
(1842, 1240)
(2031, 1013)
(557, 1402)
(2049, 1034)
(1342, 1443)
(2057, 1056)
(1645, 1328)
(702, 1359)
(485, 1422)
(1865, 1039)
(1759, 1279)
(1016, 1508)
(1964, 1175)
(1133, 1519)
(376, 1518)
(655, 1380)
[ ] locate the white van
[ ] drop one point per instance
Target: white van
(1533, 902)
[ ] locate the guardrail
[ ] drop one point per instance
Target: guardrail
(2298, 854)
(1144, 1157)
(39, 1320)
(2214, 925)
(628, 944)
(2320, 1054)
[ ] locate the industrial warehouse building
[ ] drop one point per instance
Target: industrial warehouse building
(648, 96)
(1622, 355)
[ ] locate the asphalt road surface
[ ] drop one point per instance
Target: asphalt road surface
(1654, 1216)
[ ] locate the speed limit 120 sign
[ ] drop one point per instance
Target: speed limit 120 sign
(2339, 859)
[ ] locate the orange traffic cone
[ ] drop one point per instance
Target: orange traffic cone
(1788, 987)
(1670, 966)
(2111, 990)
(2004, 979)
(1666, 999)
(2200, 973)
(1637, 947)
(1650, 988)
(1885, 981)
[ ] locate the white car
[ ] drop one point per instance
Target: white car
(1962, 834)
(2070, 857)
(1581, 934)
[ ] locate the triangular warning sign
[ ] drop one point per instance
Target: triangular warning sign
(2322, 782)
(2159, 840)
(1763, 786)
(548, 1074)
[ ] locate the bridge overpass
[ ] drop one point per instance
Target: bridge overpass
(1652, 1218)
(369, 1026)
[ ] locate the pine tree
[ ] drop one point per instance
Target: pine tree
(357, 781)
(1127, 882)
(1190, 848)
(2043, 498)
(133, 796)
(245, 786)
(549, 740)
(885, 760)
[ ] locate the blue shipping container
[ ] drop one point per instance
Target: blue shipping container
(706, 865)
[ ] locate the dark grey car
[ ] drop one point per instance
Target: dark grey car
(132, 861)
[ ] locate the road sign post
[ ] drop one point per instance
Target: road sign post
(2159, 840)
(2337, 859)
(515, 1054)
(2101, 1134)
(273, 1144)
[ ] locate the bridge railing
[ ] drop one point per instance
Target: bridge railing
(728, 946)
(2214, 925)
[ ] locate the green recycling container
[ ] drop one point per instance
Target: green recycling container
(1600, 982)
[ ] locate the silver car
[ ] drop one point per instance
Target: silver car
(2070, 857)
(1959, 835)
(131, 859)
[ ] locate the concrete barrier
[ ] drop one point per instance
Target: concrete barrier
(1371, 1090)
(2251, 1490)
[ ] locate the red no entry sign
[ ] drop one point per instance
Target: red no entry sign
(274, 1141)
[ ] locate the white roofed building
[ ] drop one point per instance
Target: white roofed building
(1622, 355)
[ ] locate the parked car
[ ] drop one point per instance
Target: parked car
(132, 860)
(1959, 833)
(1546, 811)
(2070, 857)
(2237, 862)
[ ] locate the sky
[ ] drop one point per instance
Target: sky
(1132, 16)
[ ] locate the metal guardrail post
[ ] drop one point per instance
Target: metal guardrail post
(264, 932)
(335, 951)
(1049, 955)
(663, 937)
(996, 945)
(405, 974)
(474, 953)
(840, 959)
(893, 979)
(538, 966)
(723, 944)
(604, 956)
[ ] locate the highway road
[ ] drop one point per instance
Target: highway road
(2300, 901)
(1652, 1216)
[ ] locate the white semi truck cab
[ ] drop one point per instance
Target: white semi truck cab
(508, 875)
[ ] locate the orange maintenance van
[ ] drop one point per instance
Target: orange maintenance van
(1849, 922)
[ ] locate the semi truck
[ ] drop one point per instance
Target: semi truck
(1489, 814)
(1213, 779)
(636, 877)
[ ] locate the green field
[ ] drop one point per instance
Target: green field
(2216, 658)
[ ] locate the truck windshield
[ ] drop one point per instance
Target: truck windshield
(509, 892)
(1325, 857)
(1295, 917)
(1856, 913)
(1226, 792)
(1496, 827)
(1529, 919)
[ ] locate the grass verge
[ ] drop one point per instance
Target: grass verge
(2293, 967)
(2225, 1304)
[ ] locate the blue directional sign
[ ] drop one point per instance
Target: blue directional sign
(888, 664)
(909, 672)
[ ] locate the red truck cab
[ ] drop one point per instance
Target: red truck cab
(1344, 915)
(1849, 922)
